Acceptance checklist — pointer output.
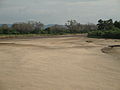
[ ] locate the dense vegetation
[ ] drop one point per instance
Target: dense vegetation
(32, 27)
(104, 28)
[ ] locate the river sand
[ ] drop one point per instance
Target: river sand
(65, 63)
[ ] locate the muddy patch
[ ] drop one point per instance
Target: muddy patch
(113, 50)
(110, 48)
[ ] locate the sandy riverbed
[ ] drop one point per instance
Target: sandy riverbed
(66, 63)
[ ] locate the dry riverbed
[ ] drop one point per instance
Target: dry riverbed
(65, 63)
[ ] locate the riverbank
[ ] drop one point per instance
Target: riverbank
(65, 63)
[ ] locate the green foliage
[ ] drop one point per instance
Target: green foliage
(74, 27)
(104, 29)
(56, 29)
(117, 24)
(114, 33)
(31, 27)
(105, 24)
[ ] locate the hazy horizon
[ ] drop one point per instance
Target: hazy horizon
(58, 11)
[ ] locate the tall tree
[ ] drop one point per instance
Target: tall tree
(105, 24)
(5, 29)
(73, 26)
(23, 28)
(117, 24)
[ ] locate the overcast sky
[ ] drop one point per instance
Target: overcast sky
(58, 11)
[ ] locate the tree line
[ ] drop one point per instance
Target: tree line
(104, 28)
(22, 28)
(32, 27)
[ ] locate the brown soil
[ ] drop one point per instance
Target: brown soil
(65, 63)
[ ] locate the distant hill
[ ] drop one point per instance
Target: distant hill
(49, 25)
(9, 25)
(45, 26)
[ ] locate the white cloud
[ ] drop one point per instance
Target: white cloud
(58, 11)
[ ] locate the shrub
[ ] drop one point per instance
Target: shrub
(114, 33)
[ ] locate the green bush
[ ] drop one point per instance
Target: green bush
(114, 33)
